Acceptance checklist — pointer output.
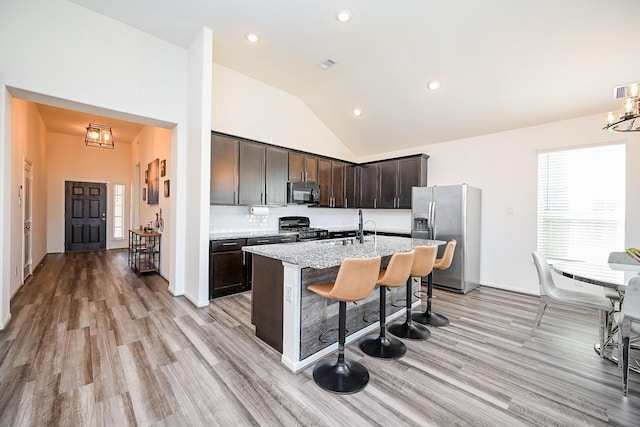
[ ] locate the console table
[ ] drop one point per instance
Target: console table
(144, 251)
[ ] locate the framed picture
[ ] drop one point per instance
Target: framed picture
(154, 182)
(166, 188)
(163, 168)
(146, 176)
(144, 194)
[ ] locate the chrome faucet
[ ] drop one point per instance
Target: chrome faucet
(375, 232)
(361, 227)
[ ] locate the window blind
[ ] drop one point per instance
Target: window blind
(581, 202)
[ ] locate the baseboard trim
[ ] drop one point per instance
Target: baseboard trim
(5, 322)
(195, 301)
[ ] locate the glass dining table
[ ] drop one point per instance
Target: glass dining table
(613, 275)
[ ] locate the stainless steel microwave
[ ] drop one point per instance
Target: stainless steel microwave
(306, 193)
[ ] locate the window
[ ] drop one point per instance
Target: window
(118, 211)
(581, 202)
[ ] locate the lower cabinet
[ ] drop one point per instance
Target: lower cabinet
(230, 267)
(227, 269)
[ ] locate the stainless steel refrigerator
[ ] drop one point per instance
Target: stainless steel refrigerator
(445, 213)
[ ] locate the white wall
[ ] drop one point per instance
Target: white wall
(44, 49)
(150, 144)
(69, 159)
(28, 134)
(246, 107)
(504, 166)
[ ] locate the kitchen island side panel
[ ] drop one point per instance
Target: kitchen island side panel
(267, 300)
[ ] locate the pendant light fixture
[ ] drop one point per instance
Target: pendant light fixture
(99, 136)
(625, 121)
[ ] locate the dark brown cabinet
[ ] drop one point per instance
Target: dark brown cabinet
(368, 185)
(245, 172)
(263, 174)
(276, 172)
(303, 167)
(331, 179)
(224, 170)
(227, 269)
(350, 186)
(251, 180)
(387, 184)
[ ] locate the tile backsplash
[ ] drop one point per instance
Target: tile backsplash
(223, 219)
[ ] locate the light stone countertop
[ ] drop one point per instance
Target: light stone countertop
(330, 253)
(245, 234)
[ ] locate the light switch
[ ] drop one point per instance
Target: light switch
(288, 293)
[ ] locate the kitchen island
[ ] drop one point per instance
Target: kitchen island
(302, 325)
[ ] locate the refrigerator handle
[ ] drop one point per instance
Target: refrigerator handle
(432, 219)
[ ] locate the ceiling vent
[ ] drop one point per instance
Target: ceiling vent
(624, 91)
(327, 64)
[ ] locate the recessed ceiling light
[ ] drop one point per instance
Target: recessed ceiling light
(252, 37)
(357, 111)
(344, 15)
(434, 84)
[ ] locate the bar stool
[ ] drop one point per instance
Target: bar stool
(395, 275)
(355, 280)
(423, 261)
(428, 317)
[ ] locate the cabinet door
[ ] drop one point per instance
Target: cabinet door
(224, 170)
(412, 172)
(251, 179)
(369, 185)
(311, 169)
(324, 181)
(276, 173)
(296, 167)
(350, 186)
(337, 183)
(388, 172)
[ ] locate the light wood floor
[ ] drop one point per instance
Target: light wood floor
(90, 343)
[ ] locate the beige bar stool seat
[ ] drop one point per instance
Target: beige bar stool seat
(396, 274)
(423, 260)
(428, 317)
(355, 280)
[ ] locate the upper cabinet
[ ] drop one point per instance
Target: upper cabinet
(303, 167)
(247, 173)
(332, 180)
(263, 174)
(224, 170)
(387, 184)
(251, 189)
(369, 187)
(276, 173)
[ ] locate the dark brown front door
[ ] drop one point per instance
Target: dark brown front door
(85, 216)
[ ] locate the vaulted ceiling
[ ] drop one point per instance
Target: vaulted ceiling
(502, 64)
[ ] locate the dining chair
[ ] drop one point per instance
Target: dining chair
(628, 326)
(567, 296)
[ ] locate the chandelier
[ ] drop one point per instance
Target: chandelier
(99, 136)
(625, 121)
